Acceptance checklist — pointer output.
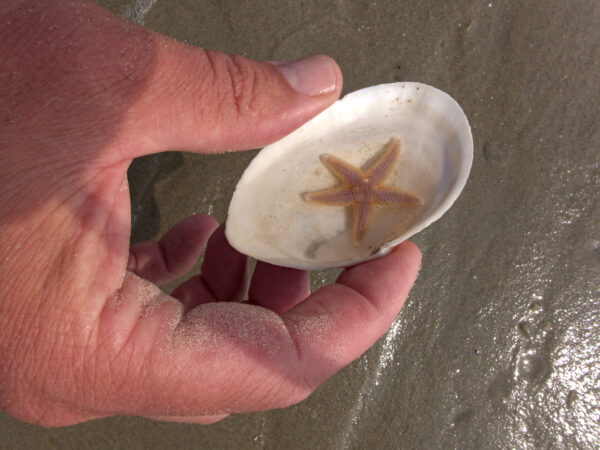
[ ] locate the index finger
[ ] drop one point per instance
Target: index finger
(339, 322)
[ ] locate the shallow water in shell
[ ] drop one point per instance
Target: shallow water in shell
(498, 344)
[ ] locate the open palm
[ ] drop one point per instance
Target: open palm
(84, 330)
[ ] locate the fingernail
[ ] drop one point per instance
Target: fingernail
(316, 75)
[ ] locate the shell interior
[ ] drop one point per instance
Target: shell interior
(270, 219)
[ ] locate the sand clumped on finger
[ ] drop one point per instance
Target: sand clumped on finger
(226, 327)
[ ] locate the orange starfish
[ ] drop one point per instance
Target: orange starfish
(363, 190)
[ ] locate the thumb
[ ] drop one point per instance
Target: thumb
(208, 101)
(101, 80)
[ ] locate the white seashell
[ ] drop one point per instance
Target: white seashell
(270, 219)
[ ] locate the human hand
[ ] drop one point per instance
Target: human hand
(84, 332)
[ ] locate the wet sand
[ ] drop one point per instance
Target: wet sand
(498, 343)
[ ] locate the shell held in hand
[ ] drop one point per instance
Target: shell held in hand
(361, 177)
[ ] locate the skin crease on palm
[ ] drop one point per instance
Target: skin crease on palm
(84, 331)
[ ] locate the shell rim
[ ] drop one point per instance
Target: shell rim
(466, 152)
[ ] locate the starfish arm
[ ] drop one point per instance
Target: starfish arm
(390, 196)
(384, 165)
(333, 197)
(363, 212)
(342, 170)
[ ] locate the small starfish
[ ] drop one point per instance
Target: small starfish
(363, 190)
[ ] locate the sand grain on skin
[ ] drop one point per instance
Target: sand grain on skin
(148, 296)
(310, 328)
(213, 327)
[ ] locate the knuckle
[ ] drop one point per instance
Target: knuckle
(237, 83)
(243, 84)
